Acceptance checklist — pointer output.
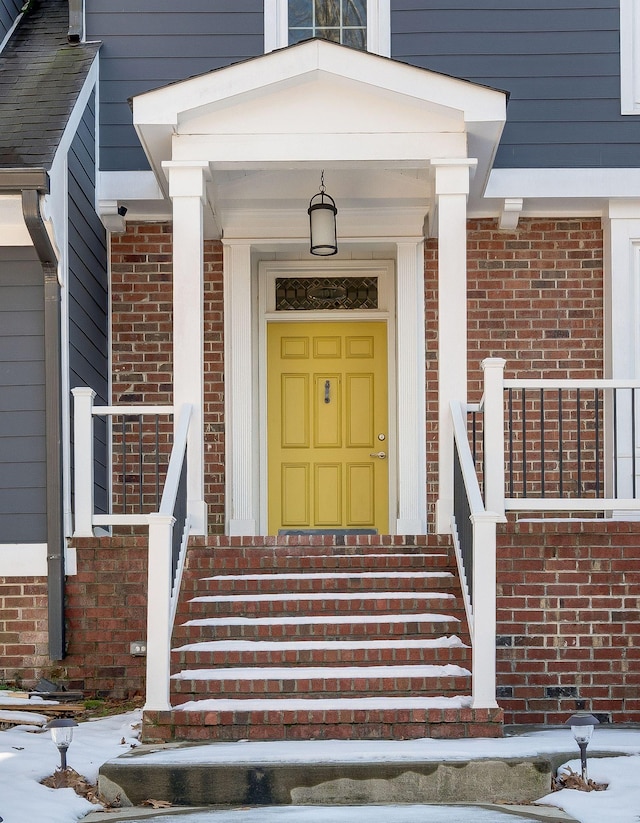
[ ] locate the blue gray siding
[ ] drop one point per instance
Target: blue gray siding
(22, 398)
(88, 286)
(558, 59)
(149, 43)
(9, 11)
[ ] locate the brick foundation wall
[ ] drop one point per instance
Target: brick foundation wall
(106, 609)
(568, 620)
(23, 631)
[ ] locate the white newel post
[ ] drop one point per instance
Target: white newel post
(412, 497)
(484, 611)
(241, 448)
(83, 461)
(159, 612)
(187, 189)
(452, 189)
(494, 479)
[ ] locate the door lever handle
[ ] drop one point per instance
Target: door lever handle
(381, 455)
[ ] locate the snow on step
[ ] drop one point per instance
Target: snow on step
(331, 575)
(321, 704)
(347, 619)
(329, 595)
(321, 672)
(452, 641)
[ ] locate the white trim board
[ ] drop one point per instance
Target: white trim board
(30, 560)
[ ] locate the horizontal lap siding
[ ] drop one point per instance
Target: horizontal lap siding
(150, 43)
(559, 61)
(88, 288)
(22, 398)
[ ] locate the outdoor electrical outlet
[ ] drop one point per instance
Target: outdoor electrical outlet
(138, 648)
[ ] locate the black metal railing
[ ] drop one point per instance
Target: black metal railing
(462, 516)
(141, 450)
(556, 442)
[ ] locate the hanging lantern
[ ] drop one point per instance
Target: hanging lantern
(322, 222)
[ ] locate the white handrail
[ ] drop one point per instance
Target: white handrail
(563, 383)
(107, 411)
(162, 588)
(172, 480)
(482, 618)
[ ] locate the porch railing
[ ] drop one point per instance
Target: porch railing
(159, 465)
(474, 534)
(560, 445)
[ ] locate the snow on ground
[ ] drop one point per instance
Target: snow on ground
(27, 756)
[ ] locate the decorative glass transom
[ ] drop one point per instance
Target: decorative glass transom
(342, 21)
(317, 293)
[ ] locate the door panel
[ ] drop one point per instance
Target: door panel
(326, 407)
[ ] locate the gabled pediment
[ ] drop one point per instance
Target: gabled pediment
(319, 105)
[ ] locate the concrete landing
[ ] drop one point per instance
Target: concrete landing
(185, 775)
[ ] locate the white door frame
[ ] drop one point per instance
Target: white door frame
(268, 270)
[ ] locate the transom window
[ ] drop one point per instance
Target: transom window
(342, 21)
(363, 24)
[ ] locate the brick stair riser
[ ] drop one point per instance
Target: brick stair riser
(319, 563)
(310, 631)
(437, 656)
(307, 608)
(371, 724)
(315, 585)
(320, 687)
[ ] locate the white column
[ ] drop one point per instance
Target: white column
(412, 503)
(83, 461)
(493, 368)
(452, 189)
(241, 446)
(159, 569)
(187, 189)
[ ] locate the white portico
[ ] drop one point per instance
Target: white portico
(238, 153)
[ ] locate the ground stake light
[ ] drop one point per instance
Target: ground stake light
(62, 734)
(582, 726)
(322, 222)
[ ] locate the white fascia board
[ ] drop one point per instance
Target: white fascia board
(13, 231)
(563, 183)
(230, 150)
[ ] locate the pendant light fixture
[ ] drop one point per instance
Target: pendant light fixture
(322, 222)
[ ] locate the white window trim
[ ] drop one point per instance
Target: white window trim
(276, 26)
(629, 57)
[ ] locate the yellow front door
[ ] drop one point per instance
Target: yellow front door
(327, 426)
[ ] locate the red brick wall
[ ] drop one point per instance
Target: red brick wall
(568, 620)
(23, 631)
(535, 297)
(142, 283)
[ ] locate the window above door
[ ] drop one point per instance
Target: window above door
(362, 24)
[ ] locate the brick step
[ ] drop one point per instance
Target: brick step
(224, 653)
(318, 562)
(342, 627)
(329, 719)
(321, 681)
(339, 603)
(321, 582)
